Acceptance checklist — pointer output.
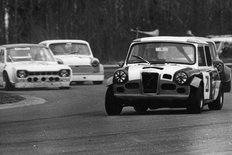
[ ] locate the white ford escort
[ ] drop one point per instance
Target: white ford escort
(78, 55)
(174, 72)
(31, 66)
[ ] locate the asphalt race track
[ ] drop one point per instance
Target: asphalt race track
(74, 122)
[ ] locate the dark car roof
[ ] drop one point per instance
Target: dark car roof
(21, 45)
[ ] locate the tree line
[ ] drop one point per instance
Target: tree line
(107, 24)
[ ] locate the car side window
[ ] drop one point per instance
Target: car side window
(201, 56)
(1, 56)
(208, 56)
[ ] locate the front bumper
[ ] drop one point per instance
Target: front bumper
(166, 90)
(88, 77)
(87, 73)
(42, 84)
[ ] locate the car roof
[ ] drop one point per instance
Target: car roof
(225, 39)
(64, 41)
(183, 39)
(21, 45)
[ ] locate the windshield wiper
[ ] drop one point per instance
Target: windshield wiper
(160, 61)
(75, 52)
(10, 58)
(141, 58)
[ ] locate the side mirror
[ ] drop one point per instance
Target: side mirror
(121, 64)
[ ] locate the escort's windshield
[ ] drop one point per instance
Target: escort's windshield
(29, 54)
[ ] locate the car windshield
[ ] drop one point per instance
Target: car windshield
(162, 52)
(17, 54)
(69, 48)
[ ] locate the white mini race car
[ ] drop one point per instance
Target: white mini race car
(78, 55)
(31, 66)
(173, 72)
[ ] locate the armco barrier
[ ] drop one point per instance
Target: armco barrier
(229, 64)
(110, 66)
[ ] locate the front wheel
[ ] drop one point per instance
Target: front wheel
(196, 100)
(64, 87)
(218, 103)
(113, 105)
(7, 84)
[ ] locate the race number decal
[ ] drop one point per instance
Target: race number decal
(206, 78)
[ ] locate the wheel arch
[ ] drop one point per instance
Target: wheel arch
(9, 76)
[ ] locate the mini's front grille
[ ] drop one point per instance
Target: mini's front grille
(82, 69)
(149, 81)
(42, 73)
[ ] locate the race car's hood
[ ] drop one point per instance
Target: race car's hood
(134, 71)
(38, 66)
(75, 59)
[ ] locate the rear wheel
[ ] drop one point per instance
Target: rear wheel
(7, 84)
(218, 103)
(97, 82)
(113, 105)
(196, 100)
(64, 87)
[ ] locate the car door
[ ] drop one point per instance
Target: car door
(2, 65)
(210, 74)
(213, 73)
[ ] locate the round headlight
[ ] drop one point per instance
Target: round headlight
(64, 73)
(120, 76)
(219, 67)
(180, 78)
(95, 62)
(22, 74)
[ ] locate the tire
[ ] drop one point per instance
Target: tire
(218, 103)
(64, 87)
(226, 86)
(97, 82)
(196, 100)
(113, 106)
(140, 108)
(8, 86)
(79, 82)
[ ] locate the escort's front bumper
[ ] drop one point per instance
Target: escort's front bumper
(38, 82)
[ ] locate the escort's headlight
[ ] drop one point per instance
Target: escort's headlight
(120, 76)
(22, 74)
(180, 78)
(219, 66)
(95, 62)
(64, 73)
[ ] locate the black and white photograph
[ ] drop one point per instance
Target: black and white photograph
(115, 77)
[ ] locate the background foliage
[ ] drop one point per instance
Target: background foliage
(106, 24)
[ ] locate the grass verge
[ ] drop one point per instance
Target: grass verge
(6, 98)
